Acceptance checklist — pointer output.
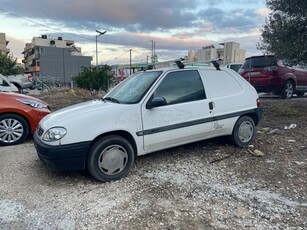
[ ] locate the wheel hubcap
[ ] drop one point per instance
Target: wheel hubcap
(113, 159)
(289, 90)
(10, 130)
(246, 131)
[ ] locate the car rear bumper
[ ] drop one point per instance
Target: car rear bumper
(62, 157)
(268, 88)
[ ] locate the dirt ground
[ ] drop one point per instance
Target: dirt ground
(205, 185)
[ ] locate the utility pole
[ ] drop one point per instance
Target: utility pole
(152, 51)
(130, 62)
(97, 35)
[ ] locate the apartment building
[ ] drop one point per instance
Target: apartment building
(228, 52)
(3, 44)
(54, 58)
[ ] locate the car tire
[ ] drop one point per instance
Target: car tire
(288, 90)
(110, 158)
(14, 129)
(243, 132)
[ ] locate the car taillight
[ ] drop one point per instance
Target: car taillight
(30, 77)
(258, 103)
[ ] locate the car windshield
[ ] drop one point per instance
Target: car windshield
(133, 89)
(259, 62)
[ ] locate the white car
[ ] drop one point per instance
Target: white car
(6, 85)
(234, 66)
(149, 111)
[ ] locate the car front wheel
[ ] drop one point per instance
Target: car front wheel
(14, 129)
(243, 132)
(110, 158)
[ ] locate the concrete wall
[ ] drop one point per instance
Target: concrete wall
(60, 64)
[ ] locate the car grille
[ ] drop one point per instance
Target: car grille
(40, 131)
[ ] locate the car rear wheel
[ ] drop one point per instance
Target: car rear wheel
(243, 132)
(110, 158)
(14, 129)
(288, 90)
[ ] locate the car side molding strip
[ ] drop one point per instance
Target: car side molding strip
(257, 111)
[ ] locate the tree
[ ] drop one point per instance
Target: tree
(94, 78)
(9, 66)
(285, 31)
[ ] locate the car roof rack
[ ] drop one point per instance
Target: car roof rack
(181, 64)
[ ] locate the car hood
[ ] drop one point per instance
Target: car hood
(21, 96)
(83, 114)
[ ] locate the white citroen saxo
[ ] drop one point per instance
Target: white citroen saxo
(149, 111)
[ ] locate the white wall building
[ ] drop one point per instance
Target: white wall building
(228, 52)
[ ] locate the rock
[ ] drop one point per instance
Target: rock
(274, 131)
(258, 153)
(299, 162)
(291, 141)
(266, 129)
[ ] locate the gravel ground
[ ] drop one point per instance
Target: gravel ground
(205, 185)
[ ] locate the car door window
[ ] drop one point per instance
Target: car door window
(3, 82)
(181, 86)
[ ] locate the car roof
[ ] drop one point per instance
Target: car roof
(259, 56)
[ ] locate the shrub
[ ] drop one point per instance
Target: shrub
(94, 78)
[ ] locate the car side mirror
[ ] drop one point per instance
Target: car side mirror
(156, 102)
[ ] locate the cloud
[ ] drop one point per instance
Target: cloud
(133, 15)
(225, 21)
(176, 26)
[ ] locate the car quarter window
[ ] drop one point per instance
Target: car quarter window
(181, 86)
(220, 83)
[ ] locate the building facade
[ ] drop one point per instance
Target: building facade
(54, 58)
(228, 52)
(3, 44)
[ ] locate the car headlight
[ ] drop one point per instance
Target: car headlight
(32, 103)
(54, 134)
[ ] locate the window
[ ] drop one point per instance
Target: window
(3, 82)
(181, 86)
(220, 83)
(42, 50)
(133, 89)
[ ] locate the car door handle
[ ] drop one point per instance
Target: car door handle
(210, 105)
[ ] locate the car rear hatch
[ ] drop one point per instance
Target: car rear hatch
(259, 70)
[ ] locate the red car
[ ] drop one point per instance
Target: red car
(269, 74)
(19, 116)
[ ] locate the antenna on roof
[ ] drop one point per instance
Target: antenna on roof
(216, 64)
(179, 64)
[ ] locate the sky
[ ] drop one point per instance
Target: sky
(175, 26)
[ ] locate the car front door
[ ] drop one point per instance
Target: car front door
(177, 112)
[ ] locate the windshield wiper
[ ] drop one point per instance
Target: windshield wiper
(111, 99)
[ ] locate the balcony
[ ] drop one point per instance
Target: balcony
(34, 69)
(32, 57)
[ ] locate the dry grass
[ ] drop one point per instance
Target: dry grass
(58, 98)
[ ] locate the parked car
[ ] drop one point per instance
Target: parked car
(21, 81)
(6, 85)
(149, 111)
(234, 66)
(270, 75)
(19, 116)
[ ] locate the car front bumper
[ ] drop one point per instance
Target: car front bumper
(62, 157)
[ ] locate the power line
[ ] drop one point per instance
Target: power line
(43, 25)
